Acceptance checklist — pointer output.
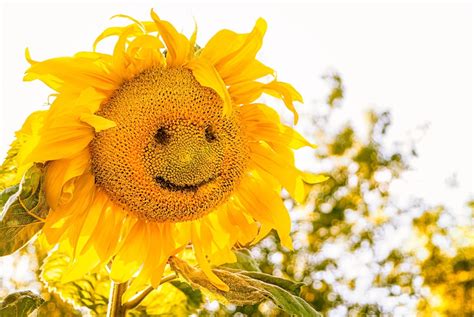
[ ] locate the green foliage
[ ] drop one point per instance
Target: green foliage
(6, 193)
(343, 141)
(245, 261)
(288, 302)
(194, 297)
(24, 207)
(8, 168)
(290, 286)
(175, 298)
(248, 287)
(337, 93)
(91, 291)
(20, 304)
(450, 277)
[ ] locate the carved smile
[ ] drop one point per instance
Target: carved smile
(185, 188)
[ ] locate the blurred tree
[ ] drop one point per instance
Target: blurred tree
(357, 249)
(448, 272)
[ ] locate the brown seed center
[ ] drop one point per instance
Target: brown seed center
(173, 156)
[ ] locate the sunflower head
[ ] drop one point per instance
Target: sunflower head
(173, 156)
(156, 146)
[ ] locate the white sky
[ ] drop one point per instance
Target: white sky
(414, 59)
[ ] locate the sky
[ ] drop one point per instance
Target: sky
(412, 58)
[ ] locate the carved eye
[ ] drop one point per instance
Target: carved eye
(210, 135)
(162, 136)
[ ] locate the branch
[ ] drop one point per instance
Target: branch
(115, 307)
(137, 300)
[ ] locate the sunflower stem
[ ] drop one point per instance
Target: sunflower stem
(137, 300)
(115, 307)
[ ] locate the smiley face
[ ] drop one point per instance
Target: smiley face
(173, 155)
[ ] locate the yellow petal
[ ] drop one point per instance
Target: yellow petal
(234, 54)
(82, 266)
(313, 178)
(263, 123)
(63, 135)
(88, 100)
(296, 140)
(97, 122)
(131, 256)
(179, 47)
(104, 239)
(192, 41)
(78, 72)
(249, 91)
(222, 44)
(125, 16)
(138, 28)
(182, 233)
(203, 262)
(83, 195)
(245, 228)
(207, 76)
(246, 92)
(144, 42)
(254, 70)
(54, 226)
(232, 64)
(277, 164)
(262, 233)
(90, 222)
(287, 93)
(28, 137)
(28, 57)
(112, 31)
(156, 260)
(75, 210)
(61, 142)
(61, 171)
(120, 58)
(267, 207)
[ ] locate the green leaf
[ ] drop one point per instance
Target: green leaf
(8, 169)
(291, 286)
(247, 288)
(7, 193)
(22, 211)
(241, 290)
(170, 300)
(20, 304)
(22, 208)
(290, 303)
(244, 261)
(91, 291)
(194, 296)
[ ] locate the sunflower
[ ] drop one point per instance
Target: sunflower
(159, 146)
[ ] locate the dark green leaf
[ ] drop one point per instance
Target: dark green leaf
(247, 288)
(290, 303)
(90, 291)
(292, 287)
(194, 296)
(7, 193)
(8, 168)
(241, 290)
(244, 261)
(22, 211)
(20, 304)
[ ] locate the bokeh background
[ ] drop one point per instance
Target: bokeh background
(388, 99)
